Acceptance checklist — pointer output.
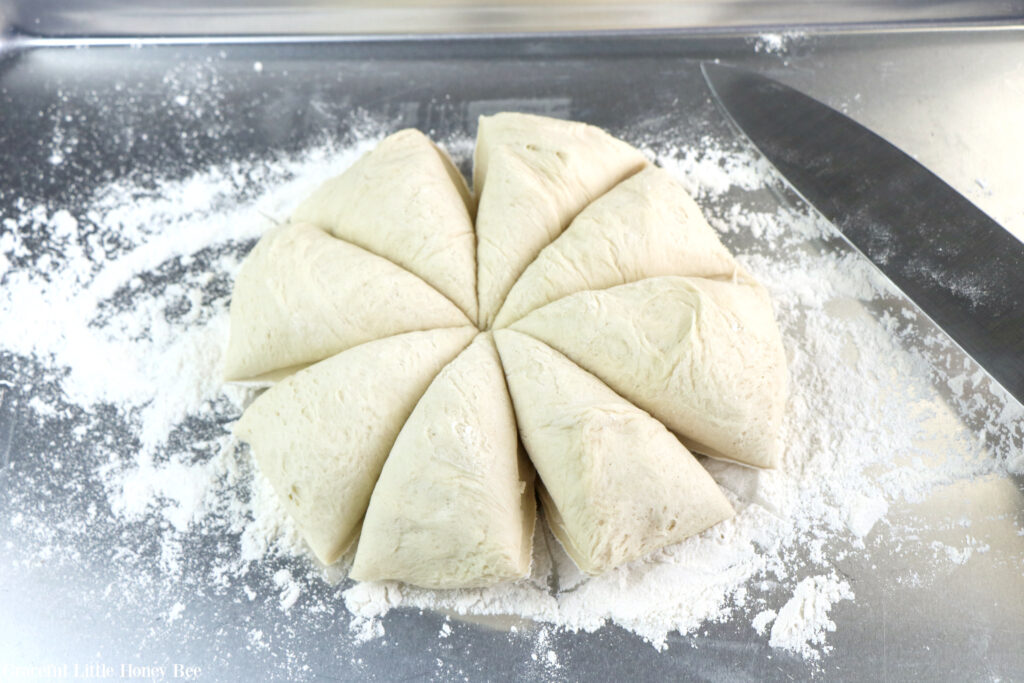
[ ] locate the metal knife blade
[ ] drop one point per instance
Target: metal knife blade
(964, 270)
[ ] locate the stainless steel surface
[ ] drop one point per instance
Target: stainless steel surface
(961, 267)
(952, 105)
(135, 18)
(113, 108)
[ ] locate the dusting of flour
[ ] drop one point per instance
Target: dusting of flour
(121, 312)
(802, 623)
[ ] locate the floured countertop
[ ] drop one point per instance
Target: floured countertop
(136, 533)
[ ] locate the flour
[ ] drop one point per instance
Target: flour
(177, 609)
(803, 621)
(762, 620)
(770, 42)
(290, 589)
(777, 43)
(121, 309)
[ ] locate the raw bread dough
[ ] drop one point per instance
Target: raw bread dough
(702, 356)
(429, 412)
(303, 295)
(645, 226)
(616, 483)
(533, 175)
(321, 436)
(407, 202)
(454, 506)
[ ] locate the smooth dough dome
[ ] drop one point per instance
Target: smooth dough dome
(432, 352)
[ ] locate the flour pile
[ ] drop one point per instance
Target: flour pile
(121, 318)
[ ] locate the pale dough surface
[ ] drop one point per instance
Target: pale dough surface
(321, 436)
(533, 175)
(303, 295)
(618, 316)
(407, 202)
(646, 226)
(615, 483)
(703, 356)
(454, 506)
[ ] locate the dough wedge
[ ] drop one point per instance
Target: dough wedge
(616, 484)
(454, 505)
(704, 357)
(321, 436)
(646, 226)
(532, 175)
(303, 295)
(405, 201)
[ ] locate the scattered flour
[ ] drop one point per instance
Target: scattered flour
(770, 42)
(761, 621)
(121, 312)
(175, 612)
(864, 512)
(290, 589)
(777, 43)
(802, 623)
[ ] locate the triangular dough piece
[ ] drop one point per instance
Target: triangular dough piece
(616, 484)
(454, 505)
(533, 175)
(645, 226)
(321, 436)
(407, 202)
(704, 357)
(302, 295)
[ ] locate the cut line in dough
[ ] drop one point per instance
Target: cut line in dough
(322, 435)
(533, 175)
(405, 201)
(616, 484)
(646, 226)
(454, 505)
(303, 295)
(703, 356)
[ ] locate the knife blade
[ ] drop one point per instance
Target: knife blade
(964, 270)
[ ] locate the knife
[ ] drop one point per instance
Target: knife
(964, 270)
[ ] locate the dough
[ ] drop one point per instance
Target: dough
(321, 436)
(617, 316)
(702, 356)
(615, 483)
(407, 202)
(303, 295)
(533, 175)
(645, 226)
(454, 505)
